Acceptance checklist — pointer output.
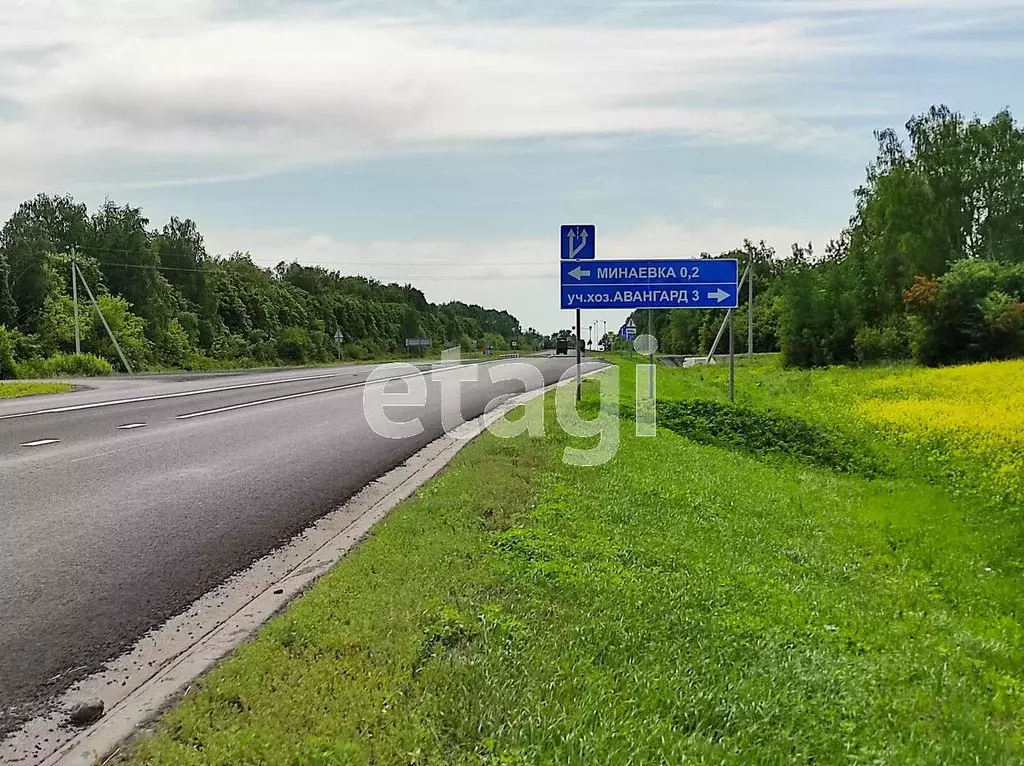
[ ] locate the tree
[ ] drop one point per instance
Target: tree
(8, 308)
(40, 226)
(182, 259)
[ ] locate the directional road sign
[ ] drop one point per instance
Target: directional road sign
(578, 243)
(706, 283)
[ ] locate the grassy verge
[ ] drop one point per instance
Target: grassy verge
(685, 602)
(13, 389)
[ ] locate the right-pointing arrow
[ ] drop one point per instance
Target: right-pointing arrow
(719, 295)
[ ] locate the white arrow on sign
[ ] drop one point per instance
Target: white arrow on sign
(579, 272)
(576, 250)
(719, 295)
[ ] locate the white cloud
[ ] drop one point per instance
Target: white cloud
(520, 276)
(148, 90)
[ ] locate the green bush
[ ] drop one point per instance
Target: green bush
(294, 345)
(200, 363)
(7, 369)
(30, 368)
(869, 344)
(175, 347)
(972, 313)
(890, 342)
(77, 365)
(766, 435)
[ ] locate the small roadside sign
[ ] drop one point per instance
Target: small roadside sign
(416, 342)
(578, 242)
(338, 337)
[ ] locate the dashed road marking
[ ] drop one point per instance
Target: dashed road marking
(130, 426)
(40, 442)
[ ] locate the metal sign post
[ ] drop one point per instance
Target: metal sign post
(578, 243)
(629, 333)
(338, 340)
(750, 309)
(732, 360)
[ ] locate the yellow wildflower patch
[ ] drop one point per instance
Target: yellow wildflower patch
(979, 402)
(977, 411)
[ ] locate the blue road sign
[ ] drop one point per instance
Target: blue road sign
(707, 283)
(578, 243)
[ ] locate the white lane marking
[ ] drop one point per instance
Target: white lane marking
(40, 442)
(258, 402)
(130, 426)
(157, 397)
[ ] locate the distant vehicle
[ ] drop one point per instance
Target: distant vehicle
(561, 347)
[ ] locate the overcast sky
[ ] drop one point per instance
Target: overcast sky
(442, 142)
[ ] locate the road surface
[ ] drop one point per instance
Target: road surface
(121, 505)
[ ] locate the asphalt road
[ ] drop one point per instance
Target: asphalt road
(121, 505)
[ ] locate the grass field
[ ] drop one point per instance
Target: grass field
(12, 389)
(804, 578)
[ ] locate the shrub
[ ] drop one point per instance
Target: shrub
(30, 368)
(874, 344)
(76, 365)
(200, 363)
(766, 434)
(175, 346)
(7, 369)
(869, 344)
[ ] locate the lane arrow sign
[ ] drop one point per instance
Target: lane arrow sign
(719, 295)
(579, 272)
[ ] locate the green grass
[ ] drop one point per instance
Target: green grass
(12, 389)
(685, 603)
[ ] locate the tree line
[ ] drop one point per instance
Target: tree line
(171, 304)
(930, 266)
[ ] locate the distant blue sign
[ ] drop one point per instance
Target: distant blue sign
(578, 243)
(705, 283)
(627, 332)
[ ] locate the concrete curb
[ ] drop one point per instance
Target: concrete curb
(139, 684)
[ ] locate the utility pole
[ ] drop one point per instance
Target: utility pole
(74, 298)
(95, 305)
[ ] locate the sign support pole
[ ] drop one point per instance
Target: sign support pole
(579, 359)
(650, 350)
(750, 309)
(732, 360)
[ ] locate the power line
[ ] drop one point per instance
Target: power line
(351, 276)
(223, 258)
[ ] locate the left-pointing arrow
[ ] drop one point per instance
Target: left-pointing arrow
(719, 295)
(579, 273)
